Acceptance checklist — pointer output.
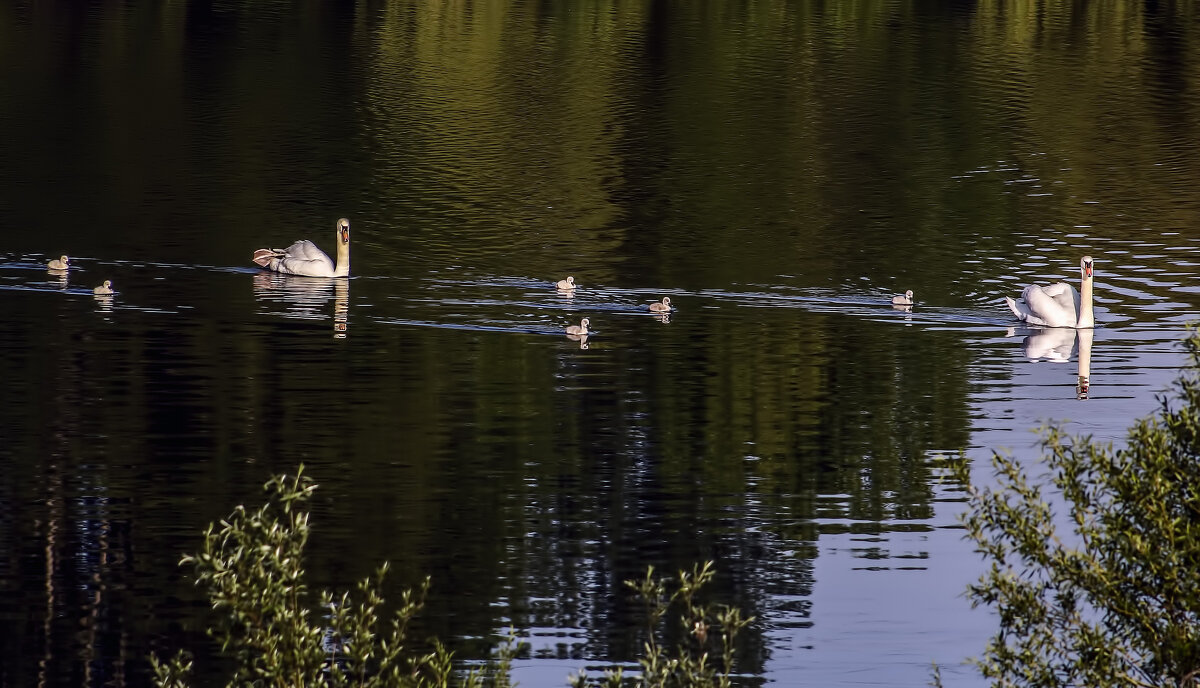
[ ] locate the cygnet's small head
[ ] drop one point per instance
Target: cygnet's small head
(585, 323)
(666, 300)
(343, 230)
(64, 258)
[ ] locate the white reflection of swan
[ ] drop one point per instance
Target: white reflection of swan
(1055, 344)
(1084, 387)
(305, 297)
(341, 308)
(60, 278)
(104, 302)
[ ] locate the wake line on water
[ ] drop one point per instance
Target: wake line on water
(473, 327)
(585, 299)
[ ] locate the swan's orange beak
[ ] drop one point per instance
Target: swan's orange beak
(1088, 269)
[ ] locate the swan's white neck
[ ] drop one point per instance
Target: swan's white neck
(342, 269)
(1086, 317)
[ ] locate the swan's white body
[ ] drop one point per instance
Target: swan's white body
(566, 284)
(580, 330)
(304, 258)
(1058, 305)
(905, 299)
(104, 289)
(662, 307)
(61, 263)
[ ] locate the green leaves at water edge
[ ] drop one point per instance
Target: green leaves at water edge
(253, 570)
(705, 629)
(1108, 592)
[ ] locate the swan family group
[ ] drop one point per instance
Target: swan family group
(304, 258)
(1056, 305)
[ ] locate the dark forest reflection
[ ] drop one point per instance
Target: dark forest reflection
(779, 170)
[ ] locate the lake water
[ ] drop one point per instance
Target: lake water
(779, 170)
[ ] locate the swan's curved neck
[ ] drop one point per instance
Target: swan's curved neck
(1086, 317)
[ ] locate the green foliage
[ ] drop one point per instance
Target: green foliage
(254, 572)
(1117, 600)
(704, 628)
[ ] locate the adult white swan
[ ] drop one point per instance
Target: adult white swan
(1058, 305)
(304, 258)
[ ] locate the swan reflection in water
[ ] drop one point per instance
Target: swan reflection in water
(104, 302)
(306, 297)
(1083, 388)
(58, 277)
(1057, 344)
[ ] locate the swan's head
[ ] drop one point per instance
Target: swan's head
(108, 284)
(666, 300)
(343, 230)
(64, 259)
(570, 279)
(1085, 266)
(908, 294)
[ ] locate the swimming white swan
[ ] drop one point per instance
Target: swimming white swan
(304, 258)
(61, 263)
(104, 289)
(1058, 305)
(566, 284)
(905, 299)
(663, 307)
(579, 330)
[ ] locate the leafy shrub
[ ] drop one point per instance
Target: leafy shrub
(254, 572)
(1116, 601)
(252, 567)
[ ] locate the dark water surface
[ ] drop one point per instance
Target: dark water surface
(778, 169)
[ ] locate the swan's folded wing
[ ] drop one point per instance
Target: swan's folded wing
(305, 250)
(1064, 294)
(1053, 306)
(303, 258)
